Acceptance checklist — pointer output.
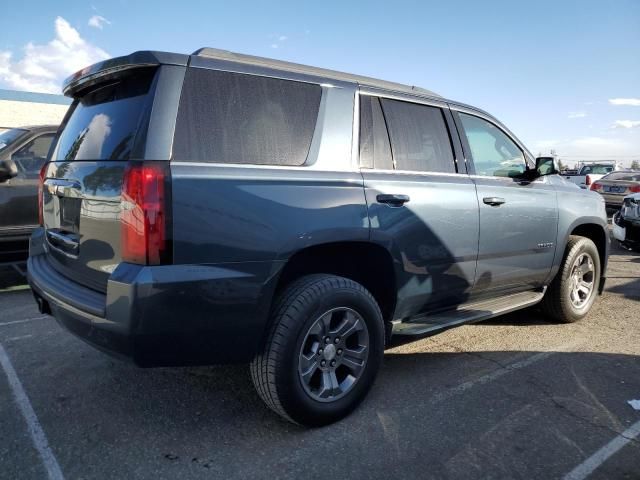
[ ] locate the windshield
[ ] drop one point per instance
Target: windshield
(104, 122)
(9, 136)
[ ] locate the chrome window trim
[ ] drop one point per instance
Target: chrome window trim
(413, 172)
(374, 92)
(380, 93)
(293, 168)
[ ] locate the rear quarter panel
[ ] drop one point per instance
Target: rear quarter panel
(227, 214)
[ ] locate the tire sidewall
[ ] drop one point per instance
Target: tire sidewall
(584, 246)
(295, 400)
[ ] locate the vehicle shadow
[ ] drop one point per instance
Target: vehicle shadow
(458, 414)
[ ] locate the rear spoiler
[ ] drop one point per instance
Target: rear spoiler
(98, 71)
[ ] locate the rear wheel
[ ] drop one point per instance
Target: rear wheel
(573, 291)
(323, 350)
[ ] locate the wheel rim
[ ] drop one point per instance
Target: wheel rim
(334, 354)
(582, 280)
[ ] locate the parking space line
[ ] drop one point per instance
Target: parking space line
(587, 467)
(35, 430)
(2, 324)
(489, 377)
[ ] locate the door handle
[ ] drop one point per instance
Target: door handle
(393, 200)
(63, 188)
(494, 201)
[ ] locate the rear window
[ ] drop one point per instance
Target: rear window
(596, 169)
(105, 121)
(624, 176)
(235, 118)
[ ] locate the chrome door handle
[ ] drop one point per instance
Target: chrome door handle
(494, 201)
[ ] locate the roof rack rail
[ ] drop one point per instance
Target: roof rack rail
(218, 54)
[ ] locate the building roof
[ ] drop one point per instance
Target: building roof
(33, 97)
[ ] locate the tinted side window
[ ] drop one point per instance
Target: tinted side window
(33, 155)
(235, 118)
(375, 151)
(493, 152)
(419, 137)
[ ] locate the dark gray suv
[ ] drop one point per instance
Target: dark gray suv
(216, 207)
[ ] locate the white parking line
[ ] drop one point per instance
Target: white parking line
(489, 377)
(587, 467)
(35, 430)
(2, 324)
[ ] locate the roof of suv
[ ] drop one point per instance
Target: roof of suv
(149, 58)
(309, 70)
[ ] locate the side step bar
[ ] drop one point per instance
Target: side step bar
(468, 313)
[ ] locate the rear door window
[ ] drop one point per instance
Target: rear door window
(375, 150)
(420, 139)
(234, 118)
(105, 121)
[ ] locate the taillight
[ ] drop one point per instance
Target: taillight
(588, 180)
(143, 217)
(41, 176)
(634, 189)
(595, 186)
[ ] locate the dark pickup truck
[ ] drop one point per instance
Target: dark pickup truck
(217, 207)
(23, 152)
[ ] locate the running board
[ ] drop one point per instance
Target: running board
(468, 313)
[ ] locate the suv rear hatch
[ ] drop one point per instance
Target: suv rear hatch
(103, 132)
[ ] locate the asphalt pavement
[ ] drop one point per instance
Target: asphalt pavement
(514, 397)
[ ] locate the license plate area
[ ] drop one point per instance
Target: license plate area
(63, 205)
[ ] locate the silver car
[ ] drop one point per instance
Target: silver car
(616, 185)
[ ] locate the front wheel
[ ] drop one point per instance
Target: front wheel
(573, 291)
(323, 350)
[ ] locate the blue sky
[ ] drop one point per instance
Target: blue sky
(561, 74)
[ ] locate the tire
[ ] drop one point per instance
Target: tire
(308, 311)
(559, 301)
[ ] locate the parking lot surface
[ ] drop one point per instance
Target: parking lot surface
(515, 397)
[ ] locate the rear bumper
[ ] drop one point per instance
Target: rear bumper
(162, 315)
(612, 200)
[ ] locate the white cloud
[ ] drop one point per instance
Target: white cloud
(98, 21)
(577, 115)
(43, 67)
(625, 101)
(626, 124)
(277, 40)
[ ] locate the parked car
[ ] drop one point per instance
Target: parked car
(587, 174)
(615, 186)
(23, 152)
(626, 222)
(217, 207)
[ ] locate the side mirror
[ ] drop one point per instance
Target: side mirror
(546, 166)
(8, 170)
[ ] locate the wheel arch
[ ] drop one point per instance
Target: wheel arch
(367, 263)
